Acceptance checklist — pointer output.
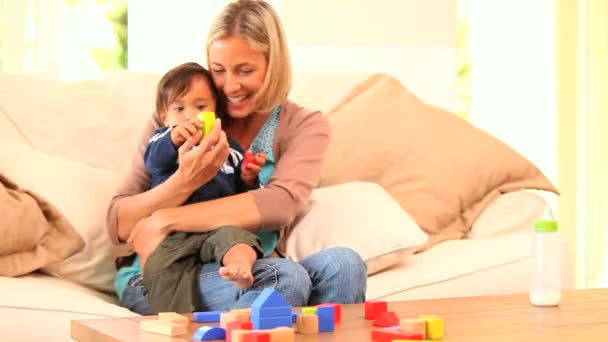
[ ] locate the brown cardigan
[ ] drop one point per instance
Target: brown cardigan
(299, 146)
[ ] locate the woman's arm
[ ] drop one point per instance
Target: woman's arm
(238, 210)
(303, 139)
(196, 167)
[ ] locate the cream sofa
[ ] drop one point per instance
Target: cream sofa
(71, 142)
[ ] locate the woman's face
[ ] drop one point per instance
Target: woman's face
(238, 71)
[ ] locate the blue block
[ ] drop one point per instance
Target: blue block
(269, 298)
(326, 318)
(206, 316)
(271, 322)
(294, 316)
(270, 312)
(206, 333)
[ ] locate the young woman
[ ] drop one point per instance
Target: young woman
(249, 63)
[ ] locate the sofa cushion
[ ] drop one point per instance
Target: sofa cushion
(82, 193)
(441, 169)
(513, 210)
(358, 215)
(97, 122)
(35, 234)
(38, 291)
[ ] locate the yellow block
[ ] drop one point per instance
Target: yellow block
(434, 327)
(207, 120)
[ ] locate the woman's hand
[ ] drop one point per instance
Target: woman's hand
(199, 164)
(147, 234)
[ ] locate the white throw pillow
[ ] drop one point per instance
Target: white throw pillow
(82, 193)
(510, 212)
(361, 216)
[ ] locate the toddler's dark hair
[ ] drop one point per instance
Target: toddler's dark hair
(176, 82)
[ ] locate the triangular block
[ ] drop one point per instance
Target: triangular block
(269, 298)
(387, 319)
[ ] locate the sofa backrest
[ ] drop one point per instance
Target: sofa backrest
(98, 122)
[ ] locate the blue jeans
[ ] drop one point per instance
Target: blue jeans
(335, 275)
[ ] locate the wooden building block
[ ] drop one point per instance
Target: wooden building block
(206, 316)
(434, 327)
(307, 324)
(236, 326)
(337, 311)
(227, 317)
(294, 316)
(413, 326)
(373, 308)
(238, 335)
(256, 336)
(326, 318)
(384, 335)
(246, 312)
(278, 311)
(282, 334)
(269, 298)
(387, 319)
(173, 317)
(272, 322)
(207, 333)
(163, 327)
(309, 310)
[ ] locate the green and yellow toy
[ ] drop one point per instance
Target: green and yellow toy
(207, 119)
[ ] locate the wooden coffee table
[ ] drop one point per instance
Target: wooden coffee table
(581, 316)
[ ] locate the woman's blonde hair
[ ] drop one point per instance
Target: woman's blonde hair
(257, 22)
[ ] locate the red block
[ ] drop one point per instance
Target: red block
(248, 157)
(236, 325)
(389, 335)
(387, 319)
(256, 336)
(373, 308)
(337, 311)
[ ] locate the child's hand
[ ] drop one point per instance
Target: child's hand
(251, 166)
(181, 133)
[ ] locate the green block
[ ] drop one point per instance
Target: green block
(207, 119)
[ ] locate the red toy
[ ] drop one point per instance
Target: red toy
(236, 325)
(373, 308)
(248, 157)
(388, 335)
(387, 319)
(256, 337)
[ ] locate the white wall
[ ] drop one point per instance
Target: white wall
(413, 40)
(512, 51)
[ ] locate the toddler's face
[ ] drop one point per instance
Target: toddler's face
(198, 98)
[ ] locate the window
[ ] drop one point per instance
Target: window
(70, 39)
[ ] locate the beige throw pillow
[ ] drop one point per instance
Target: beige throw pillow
(441, 169)
(34, 233)
(82, 193)
(358, 215)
